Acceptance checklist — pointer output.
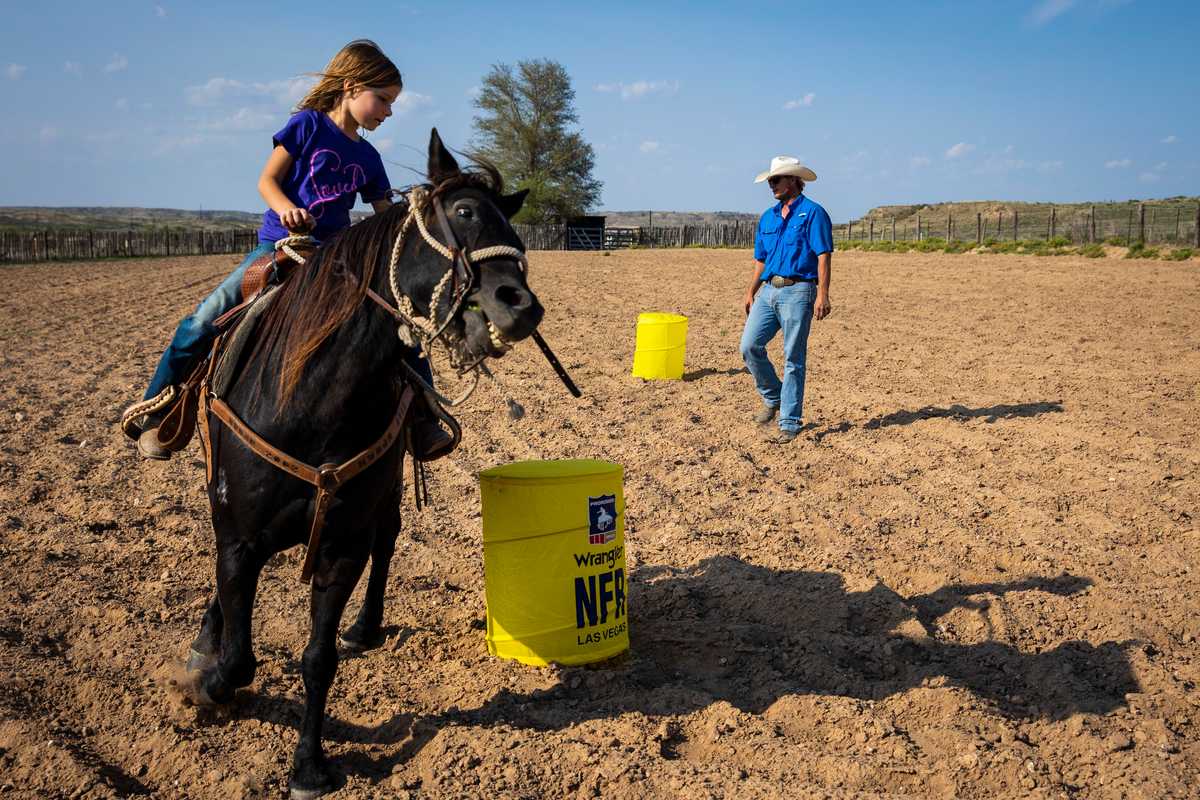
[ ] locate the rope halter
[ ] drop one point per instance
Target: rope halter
(415, 328)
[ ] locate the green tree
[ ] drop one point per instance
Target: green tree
(524, 128)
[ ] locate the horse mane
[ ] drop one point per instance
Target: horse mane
(323, 293)
(326, 291)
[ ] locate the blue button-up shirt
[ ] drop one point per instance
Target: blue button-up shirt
(789, 247)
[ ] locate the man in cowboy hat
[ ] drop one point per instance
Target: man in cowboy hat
(789, 288)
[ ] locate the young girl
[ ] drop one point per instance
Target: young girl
(317, 167)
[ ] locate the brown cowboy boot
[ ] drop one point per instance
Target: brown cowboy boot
(428, 440)
(148, 444)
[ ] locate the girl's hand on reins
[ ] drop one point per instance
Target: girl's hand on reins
(297, 220)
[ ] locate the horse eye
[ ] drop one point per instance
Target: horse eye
(465, 212)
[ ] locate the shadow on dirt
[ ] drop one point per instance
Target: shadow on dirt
(733, 631)
(697, 374)
(749, 635)
(989, 413)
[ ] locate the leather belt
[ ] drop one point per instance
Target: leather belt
(778, 281)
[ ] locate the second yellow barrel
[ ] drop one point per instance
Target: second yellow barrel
(661, 341)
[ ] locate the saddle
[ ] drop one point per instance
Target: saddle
(179, 402)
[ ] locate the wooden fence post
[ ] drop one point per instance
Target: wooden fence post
(1016, 224)
(1129, 229)
(1053, 222)
(978, 228)
(1093, 224)
(872, 231)
(918, 227)
(1141, 223)
(894, 228)
(949, 227)
(1177, 215)
(1197, 231)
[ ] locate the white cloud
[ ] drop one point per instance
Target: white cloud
(1047, 10)
(117, 63)
(803, 102)
(160, 12)
(959, 150)
(1118, 163)
(916, 162)
(638, 89)
(15, 71)
(411, 101)
(648, 146)
(245, 119)
(72, 67)
(1172, 139)
(170, 144)
(1160, 166)
(1050, 166)
(48, 134)
(122, 104)
(283, 92)
(1148, 177)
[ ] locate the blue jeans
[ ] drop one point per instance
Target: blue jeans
(195, 334)
(789, 308)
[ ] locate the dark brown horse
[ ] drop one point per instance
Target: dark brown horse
(321, 384)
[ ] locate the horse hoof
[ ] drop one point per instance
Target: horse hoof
(198, 662)
(309, 794)
(358, 644)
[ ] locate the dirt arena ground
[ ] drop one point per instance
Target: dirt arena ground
(976, 574)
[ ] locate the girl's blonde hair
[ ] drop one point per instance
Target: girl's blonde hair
(362, 63)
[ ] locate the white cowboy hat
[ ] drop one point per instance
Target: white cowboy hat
(786, 165)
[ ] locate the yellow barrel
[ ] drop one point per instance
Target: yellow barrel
(658, 354)
(554, 561)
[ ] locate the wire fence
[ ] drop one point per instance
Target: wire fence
(1178, 224)
(79, 245)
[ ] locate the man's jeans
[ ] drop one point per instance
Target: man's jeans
(195, 334)
(789, 308)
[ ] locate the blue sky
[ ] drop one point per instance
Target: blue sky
(173, 104)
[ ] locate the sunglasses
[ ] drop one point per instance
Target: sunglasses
(774, 180)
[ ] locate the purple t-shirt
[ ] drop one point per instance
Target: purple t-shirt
(328, 170)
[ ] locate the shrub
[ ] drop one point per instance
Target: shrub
(1115, 241)
(1140, 250)
(1092, 251)
(959, 246)
(1179, 254)
(1059, 241)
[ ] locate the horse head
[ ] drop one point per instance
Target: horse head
(486, 292)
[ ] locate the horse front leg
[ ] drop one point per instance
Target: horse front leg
(367, 631)
(333, 582)
(238, 569)
(207, 644)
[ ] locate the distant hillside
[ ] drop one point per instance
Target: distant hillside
(1186, 206)
(31, 218)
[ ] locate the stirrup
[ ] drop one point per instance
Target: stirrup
(133, 418)
(435, 413)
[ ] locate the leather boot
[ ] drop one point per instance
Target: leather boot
(428, 440)
(147, 443)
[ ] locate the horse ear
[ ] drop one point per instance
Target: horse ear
(510, 204)
(441, 164)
